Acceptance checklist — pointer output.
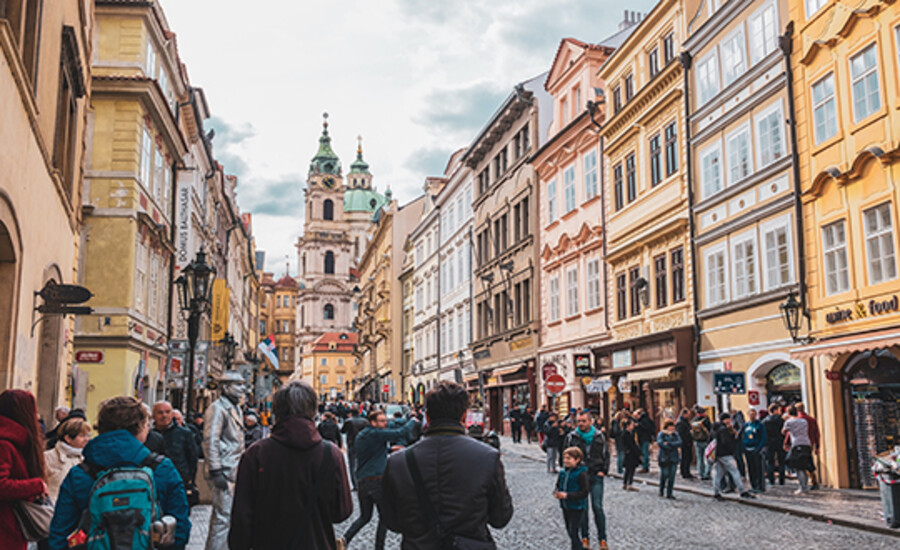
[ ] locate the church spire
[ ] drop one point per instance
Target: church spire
(359, 166)
(325, 161)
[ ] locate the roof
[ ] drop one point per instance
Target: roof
(336, 342)
(363, 200)
(286, 282)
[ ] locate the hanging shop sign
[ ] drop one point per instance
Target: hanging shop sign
(582, 364)
(624, 385)
(548, 370)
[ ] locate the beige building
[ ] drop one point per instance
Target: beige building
(45, 84)
(328, 364)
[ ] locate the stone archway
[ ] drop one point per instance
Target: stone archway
(758, 371)
(10, 267)
(49, 354)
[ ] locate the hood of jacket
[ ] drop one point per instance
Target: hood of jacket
(296, 432)
(115, 448)
(12, 431)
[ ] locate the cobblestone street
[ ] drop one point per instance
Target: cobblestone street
(635, 520)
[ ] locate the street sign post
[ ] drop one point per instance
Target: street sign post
(729, 383)
(555, 384)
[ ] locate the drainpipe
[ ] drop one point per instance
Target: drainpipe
(592, 109)
(437, 283)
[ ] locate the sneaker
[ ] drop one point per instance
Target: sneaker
(717, 496)
(748, 494)
(586, 543)
(800, 492)
(603, 545)
(671, 497)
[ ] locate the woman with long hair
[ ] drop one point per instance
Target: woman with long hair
(22, 471)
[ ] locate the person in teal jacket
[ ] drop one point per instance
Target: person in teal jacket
(669, 443)
(123, 423)
(572, 487)
(754, 438)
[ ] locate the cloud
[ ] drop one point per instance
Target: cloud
(428, 160)
(281, 196)
(230, 143)
(461, 111)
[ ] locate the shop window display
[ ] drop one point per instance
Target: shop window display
(873, 387)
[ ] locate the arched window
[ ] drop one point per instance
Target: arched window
(327, 210)
(329, 263)
(328, 312)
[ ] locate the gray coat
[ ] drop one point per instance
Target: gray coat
(223, 437)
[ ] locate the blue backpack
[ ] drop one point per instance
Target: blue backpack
(122, 506)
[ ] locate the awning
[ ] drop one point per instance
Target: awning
(648, 374)
(507, 370)
(849, 344)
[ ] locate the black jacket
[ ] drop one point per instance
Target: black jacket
(596, 457)
(156, 443)
(645, 429)
(352, 426)
(683, 427)
(726, 440)
(774, 424)
(182, 449)
(330, 432)
(274, 481)
(554, 435)
(629, 446)
(464, 480)
(252, 435)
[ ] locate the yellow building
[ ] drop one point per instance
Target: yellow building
(44, 95)
(651, 362)
(846, 74)
(135, 144)
(277, 318)
(329, 364)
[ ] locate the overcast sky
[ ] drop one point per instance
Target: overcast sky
(416, 78)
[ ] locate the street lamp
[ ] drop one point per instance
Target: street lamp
(193, 296)
(790, 313)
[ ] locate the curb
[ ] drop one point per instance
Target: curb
(816, 516)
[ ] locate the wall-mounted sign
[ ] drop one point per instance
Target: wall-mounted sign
(880, 307)
(624, 385)
(753, 397)
(482, 354)
(582, 364)
(861, 311)
(89, 356)
(621, 359)
(598, 386)
(548, 370)
(516, 345)
(832, 375)
(729, 383)
(555, 384)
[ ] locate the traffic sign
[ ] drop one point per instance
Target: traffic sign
(386, 388)
(555, 384)
(548, 370)
(729, 383)
(753, 397)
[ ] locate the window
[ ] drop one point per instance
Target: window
(864, 82)
(590, 175)
(824, 108)
(668, 48)
(554, 299)
(711, 170)
(526, 300)
(328, 210)
(569, 188)
(629, 87)
(630, 177)
(678, 294)
(140, 275)
(329, 262)
(837, 275)
(880, 244)
(526, 141)
(576, 105)
(551, 202)
(733, 64)
(777, 253)
(634, 275)
(572, 291)
(524, 221)
(262, 327)
(323, 379)
(707, 78)
(146, 159)
(743, 261)
(328, 312)
(617, 99)
(737, 149)
(812, 6)
(159, 177)
(617, 184)
(653, 62)
(662, 296)
(621, 297)
(593, 284)
(150, 60)
(564, 107)
(763, 33)
(71, 87)
(340, 377)
(671, 149)
(716, 276)
(420, 256)
(419, 300)
(769, 136)
(152, 297)
(655, 161)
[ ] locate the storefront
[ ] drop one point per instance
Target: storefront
(656, 372)
(506, 389)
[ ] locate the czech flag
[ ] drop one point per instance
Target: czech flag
(268, 347)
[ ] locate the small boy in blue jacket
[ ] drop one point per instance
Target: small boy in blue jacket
(572, 487)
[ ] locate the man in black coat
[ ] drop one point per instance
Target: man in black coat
(683, 427)
(466, 487)
(351, 429)
(646, 435)
(179, 442)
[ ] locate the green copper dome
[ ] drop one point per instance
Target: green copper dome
(359, 166)
(326, 160)
(363, 200)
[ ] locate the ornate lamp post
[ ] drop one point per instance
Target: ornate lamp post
(193, 296)
(790, 313)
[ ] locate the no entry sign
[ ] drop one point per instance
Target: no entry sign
(555, 384)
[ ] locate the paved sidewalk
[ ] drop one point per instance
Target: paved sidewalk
(853, 508)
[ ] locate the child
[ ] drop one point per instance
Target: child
(572, 488)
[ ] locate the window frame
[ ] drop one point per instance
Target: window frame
(634, 293)
(590, 175)
(776, 109)
(867, 237)
(729, 139)
(873, 70)
(551, 201)
(594, 286)
(668, 47)
(716, 250)
(822, 104)
(553, 298)
(709, 150)
(736, 36)
(618, 185)
(769, 44)
(837, 250)
(677, 269)
(621, 296)
(655, 146)
(573, 304)
(569, 196)
(660, 279)
(671, 147)
(653, 61)
(815, 9)
(708, 81)
(752, 275)
(631, 181)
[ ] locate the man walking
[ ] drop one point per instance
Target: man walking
(754, 441)
(180, 444)
(291, 487)
(646, 433)
(593, 446)
(446, 484)
(372, 454)
(726, 446)
(701, 429)
(683, 427)
(553, 434)
(351, 429)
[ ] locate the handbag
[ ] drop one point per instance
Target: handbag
(192, 493)
(449, 541)
(34, 517)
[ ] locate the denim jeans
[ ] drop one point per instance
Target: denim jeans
(620, 460)
(754, 460)
(667, 478)
(369, 493)
(596, 500)
(702, 465)
(574, 519)
(727, 465)
(645, 455)
(552, 457)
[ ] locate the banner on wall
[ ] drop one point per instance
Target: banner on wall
(219, 315)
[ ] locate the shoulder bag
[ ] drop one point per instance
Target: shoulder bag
(449, 541)
(34, 517)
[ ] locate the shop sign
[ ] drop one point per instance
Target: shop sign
(621, 359)
(879, 307)
(516, 345)
(582, 364)
(548, 370)
(860, 310)
(624, 385)
(598, 385)
(482, 354)
(89, 356)
(753, 397)
(729, 383)
(492, 381)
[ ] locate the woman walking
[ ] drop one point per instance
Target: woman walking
(572, 487)
(631, 452)
(615, 430)
(22, 470)
(669, 443)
